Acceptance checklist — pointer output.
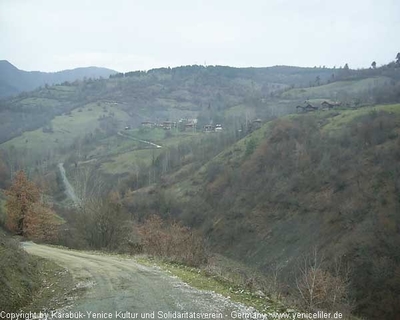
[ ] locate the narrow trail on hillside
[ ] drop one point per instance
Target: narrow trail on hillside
(69, 189)
(119, 284)
(143, 141)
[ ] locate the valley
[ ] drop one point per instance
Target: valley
(275, 185)
(199, 160)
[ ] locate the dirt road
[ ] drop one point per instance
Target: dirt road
(69, 190)
(143, 141)
(122, 286)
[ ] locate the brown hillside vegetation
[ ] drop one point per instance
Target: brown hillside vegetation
(27, 215)
(20, 198)
(301, 182)
(172, 241)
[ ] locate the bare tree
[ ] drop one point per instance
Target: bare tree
(88, 185)
(103, 224)
(323, 288)
(308, 282)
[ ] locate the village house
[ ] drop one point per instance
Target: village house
(329, 105)
(148, 124)
(190, 127)
(168, 125)
(307, 108)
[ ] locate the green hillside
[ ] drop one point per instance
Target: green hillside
(64, 129)
(81, 117)
(182, 92)
(338, 90)
(328, 180)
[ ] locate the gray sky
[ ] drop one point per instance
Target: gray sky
(51, 35)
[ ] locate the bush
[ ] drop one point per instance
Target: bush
(103, 224)
(172, 241)
(42, 224)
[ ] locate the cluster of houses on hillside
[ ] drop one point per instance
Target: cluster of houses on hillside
(191, 125)
(307, 107)
(166, 125)
(183, 125)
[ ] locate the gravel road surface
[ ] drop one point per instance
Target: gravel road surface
(125, 289)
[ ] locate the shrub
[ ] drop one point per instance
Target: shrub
(42, 223)
(172, 241)
(103, 223)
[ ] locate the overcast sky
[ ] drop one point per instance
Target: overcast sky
(51, 35)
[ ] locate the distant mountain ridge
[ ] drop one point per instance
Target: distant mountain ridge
(14, 80)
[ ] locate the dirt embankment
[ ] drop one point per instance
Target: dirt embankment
(20, 274)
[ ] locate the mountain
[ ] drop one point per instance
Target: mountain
(14, 80)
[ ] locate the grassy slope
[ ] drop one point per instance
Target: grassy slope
(19, 275)
(346, 116)
(129, 161)
(66, 128)
(118, 160)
